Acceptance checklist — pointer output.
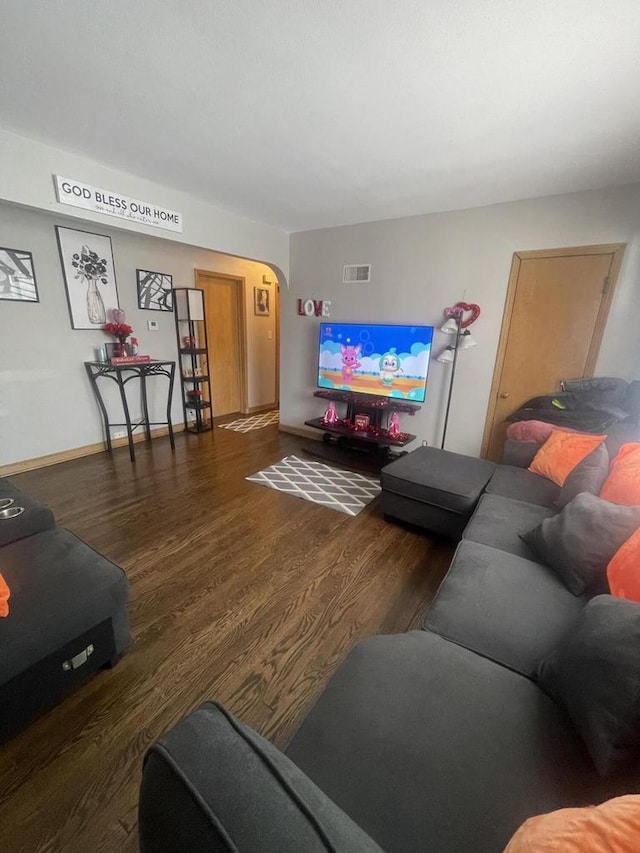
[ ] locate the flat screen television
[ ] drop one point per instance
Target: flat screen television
(372, 358)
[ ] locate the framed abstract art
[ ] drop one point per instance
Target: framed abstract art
(155, 290)
(17, 276)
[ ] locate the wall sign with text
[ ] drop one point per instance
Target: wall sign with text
(314, 308)
(88, 197)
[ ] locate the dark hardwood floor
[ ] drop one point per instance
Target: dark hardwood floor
(238, 593)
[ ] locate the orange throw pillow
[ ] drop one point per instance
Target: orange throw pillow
(623, 571)
(622, 486)
(4, 597)
(613, 827)
(561, 452)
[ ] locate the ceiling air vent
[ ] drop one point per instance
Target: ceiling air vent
(352, 273)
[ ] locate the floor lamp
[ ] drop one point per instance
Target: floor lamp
(455, 325)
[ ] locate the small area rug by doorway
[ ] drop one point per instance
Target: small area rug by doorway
(343, 491)
(254, 422)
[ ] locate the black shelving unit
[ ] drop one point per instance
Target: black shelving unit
(191, 324)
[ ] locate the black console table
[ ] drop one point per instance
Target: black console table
(367, 449)
(121, 374)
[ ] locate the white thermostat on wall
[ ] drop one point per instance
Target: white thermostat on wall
(152, 325)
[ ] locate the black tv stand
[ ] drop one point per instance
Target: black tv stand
(366, 450)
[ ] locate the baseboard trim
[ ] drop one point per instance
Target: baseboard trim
(266, 407)
(313, 434)
(77, 452)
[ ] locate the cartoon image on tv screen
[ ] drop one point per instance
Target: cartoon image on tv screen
(391, 361)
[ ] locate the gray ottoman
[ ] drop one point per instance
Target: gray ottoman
(67, 619)
(434, 489)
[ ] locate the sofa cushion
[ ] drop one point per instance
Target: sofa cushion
(60, 587)
(588, 476)
(519, 483)
(34, 519)
(623, 570)
(504, 607)
(580, 541)
(499, 521)
(438, 477)
(622, 486)
(595, 674)
(533, 430)
(518, 453)
(621, 433)
(612, 827)
(212, 784)
(429, 746)
(561, 452)
(5, 595)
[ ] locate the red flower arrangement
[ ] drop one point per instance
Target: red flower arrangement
(121, 331)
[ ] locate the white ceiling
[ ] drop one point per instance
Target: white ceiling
(310, 113)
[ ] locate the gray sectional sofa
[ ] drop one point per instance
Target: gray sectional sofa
(67, 611)
(444, 739)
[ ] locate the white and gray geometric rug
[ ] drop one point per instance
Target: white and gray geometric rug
(343, 491)
(254, 422)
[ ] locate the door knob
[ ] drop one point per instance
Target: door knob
(504, 395)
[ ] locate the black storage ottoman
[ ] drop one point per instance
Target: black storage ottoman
(434, 489)
(67, 619)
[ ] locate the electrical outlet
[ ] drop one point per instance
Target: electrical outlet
(119, 434)
(152, 325)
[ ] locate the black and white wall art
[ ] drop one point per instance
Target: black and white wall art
(17, 276)
(89, 276)
(155, 290)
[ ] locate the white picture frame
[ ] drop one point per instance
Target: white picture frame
(89, 276)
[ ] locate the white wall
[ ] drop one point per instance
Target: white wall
(422, 264)
(26, 177)
(46, 403)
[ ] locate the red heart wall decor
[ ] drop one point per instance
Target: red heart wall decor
(458, 310)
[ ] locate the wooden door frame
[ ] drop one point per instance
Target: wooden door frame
(277, 373)
(617, 250)
(241, 298)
